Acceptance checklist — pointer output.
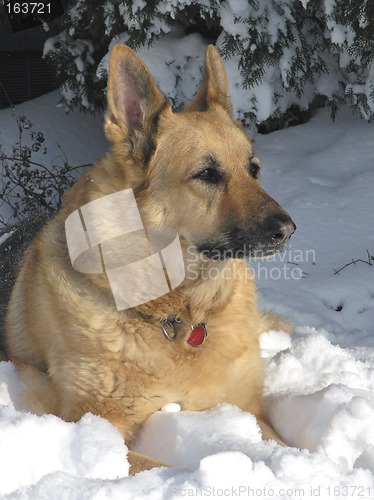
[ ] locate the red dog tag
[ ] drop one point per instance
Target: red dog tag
(198, 335)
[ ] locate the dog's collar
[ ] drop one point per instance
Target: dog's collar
(172, 324)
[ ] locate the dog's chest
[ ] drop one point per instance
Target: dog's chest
(226, 367)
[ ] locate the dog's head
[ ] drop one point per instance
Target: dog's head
(194, 170)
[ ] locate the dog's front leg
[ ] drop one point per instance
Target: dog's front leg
(268, 433)
(139, 462)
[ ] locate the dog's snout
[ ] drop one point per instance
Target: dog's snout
(284, 232)
(281, 229)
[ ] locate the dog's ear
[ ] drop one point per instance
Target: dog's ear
(214, 88)
(134, 101)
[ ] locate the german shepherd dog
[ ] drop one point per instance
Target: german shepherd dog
(194, 171)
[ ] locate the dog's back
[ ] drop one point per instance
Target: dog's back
(14, 240)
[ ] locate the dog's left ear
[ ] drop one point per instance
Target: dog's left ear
(134, 101)
(214, 88)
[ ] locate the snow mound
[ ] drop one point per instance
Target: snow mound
(330, 396)
(319, 398)
(32, 447)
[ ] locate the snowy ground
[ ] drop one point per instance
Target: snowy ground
(319, 386)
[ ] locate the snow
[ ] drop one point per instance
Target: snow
(233, 18)
(319, 383)
(5, 236)
(92, 448)
(68, 131)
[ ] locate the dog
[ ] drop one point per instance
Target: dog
(195, 172)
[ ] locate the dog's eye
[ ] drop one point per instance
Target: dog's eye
(210, 175)
(254, 169)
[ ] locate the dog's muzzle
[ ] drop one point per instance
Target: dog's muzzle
(257, 241)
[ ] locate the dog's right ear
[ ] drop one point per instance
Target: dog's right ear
(214, 88)
(134, 100)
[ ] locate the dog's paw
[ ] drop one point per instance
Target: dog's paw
(274, 321)
(139, 462)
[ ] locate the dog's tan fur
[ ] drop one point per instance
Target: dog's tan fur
(75, 351)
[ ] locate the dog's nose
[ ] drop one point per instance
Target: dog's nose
(281, 229)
